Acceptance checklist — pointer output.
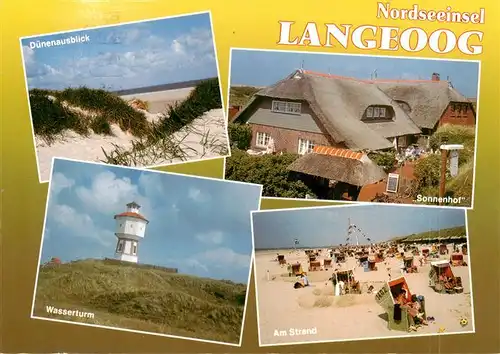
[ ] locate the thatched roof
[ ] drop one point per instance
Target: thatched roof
(427, 99)
(340, 165)
(339, 104)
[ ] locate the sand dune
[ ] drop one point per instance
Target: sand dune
(205, 137)
(346, 317)
(211, 126)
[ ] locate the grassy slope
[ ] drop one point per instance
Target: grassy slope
(144, 299)
(240, 95)
(435, 234)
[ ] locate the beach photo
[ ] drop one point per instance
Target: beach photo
(140, 94)
(146, 251)
(359, 272)
(353, 128)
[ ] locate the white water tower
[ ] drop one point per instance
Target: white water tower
(130, 229)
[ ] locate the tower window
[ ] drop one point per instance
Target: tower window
(134, 248)
(119, 247)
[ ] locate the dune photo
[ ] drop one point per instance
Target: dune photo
(145, 251)
(141, 94)
(360, 272)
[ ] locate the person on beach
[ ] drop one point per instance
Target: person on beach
(302, 283)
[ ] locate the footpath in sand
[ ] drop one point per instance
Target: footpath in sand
(346, 317)
(203, 138)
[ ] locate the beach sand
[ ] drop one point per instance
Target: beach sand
(159, 101)
(346, 317)
(190, 139)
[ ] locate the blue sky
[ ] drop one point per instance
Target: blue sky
(201, 226)
(125, 56)
(328, 226)
(262, 68)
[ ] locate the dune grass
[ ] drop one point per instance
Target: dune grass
(144, 299)
(86, 110)
(162, 144)
(82, 110)
(111, 107)
(446, 233)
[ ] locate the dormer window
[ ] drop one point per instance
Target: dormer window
(286, 107)
(378, 113)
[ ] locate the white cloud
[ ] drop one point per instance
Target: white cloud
(35, 69)
(108, 194)
(79, 225)
(151, 184)
(197, 195)
(224, 257)
(60, 182)
(148, 57)
(215, 237)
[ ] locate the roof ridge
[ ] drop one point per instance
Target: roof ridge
(333, 76)
(339, 152)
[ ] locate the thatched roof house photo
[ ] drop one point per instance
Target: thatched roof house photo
(308, 109)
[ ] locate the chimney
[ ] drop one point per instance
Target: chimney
(435, 77)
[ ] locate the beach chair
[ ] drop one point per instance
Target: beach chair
(327, 263)
(409, 267)
(297, 269)
(442, 269)
(281, 259)
(443, 249)
(457, 260)
(314, 266)
(398, 318)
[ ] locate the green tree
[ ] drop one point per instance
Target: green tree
(240, 136)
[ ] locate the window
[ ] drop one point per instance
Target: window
(262, 139)
(119, 248)
(305, 146)
(286, 107)
(377, 112)
(134, 249)
(459, 110)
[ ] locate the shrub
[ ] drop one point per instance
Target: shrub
(455, 134)
(240, 136)
(386, 159)
(428, 171)
(269, 170)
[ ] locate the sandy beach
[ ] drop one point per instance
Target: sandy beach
(326, 317)
(159, 101)
(191, 140)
